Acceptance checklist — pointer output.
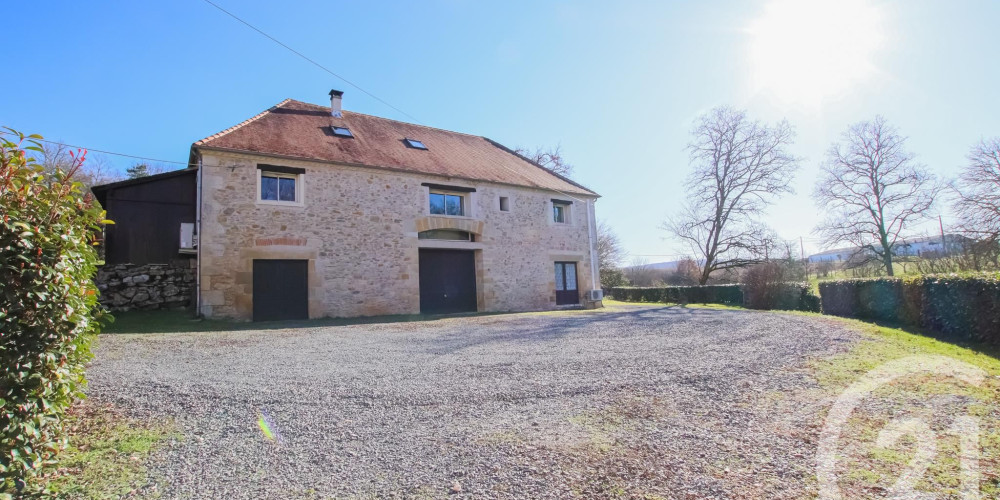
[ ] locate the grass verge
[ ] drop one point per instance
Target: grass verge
(107, 454)
(871, 462)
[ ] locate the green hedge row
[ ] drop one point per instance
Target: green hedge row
(710, 294)
(48, 310)
(787, 296)
(783, 296)
(961, 306)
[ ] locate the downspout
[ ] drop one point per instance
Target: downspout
(197, 229)
(595, 274)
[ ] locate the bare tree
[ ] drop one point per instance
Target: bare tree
(142, 169)
(550, 158)
(609, 256)
(53, 157)
(873, 189)
(977, 192)
(97, 170)
(639, 272)
(609, 249)
(687, 273)
(740, 166)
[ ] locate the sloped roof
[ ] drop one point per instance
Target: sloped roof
(301, 130)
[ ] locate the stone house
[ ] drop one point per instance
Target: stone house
(309, 211)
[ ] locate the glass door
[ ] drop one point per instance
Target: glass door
(566, 287)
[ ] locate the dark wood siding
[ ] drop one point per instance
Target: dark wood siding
(148, 217)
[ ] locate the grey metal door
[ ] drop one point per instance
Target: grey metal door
(280, 289)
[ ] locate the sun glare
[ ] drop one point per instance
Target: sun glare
(805, 51)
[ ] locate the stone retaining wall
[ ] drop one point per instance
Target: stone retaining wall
(126, 287)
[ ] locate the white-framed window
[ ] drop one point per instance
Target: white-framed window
(284, 187)
(504, 204)
(445, 203)
(560, 212)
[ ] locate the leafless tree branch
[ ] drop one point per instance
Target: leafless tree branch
(550, 158)
(740, 167)
(976, 192)
(872, 189)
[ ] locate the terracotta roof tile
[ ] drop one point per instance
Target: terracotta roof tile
(302, 130)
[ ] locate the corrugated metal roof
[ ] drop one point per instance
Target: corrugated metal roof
(302, 130)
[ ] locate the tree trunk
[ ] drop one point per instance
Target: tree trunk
(887, 260)
(705, 272)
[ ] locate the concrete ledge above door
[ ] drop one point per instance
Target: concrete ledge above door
(474, 226)
(453, 245)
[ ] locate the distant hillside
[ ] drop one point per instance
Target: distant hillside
(657, 266)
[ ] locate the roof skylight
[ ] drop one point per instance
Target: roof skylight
(415, 144)
(341, 131)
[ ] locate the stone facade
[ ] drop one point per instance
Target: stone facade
(126, 287)
(358, 227)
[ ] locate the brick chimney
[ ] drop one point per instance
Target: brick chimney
(336, 96)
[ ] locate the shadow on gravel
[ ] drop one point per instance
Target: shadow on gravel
(141, 322)
(531, 328)
(138, 322)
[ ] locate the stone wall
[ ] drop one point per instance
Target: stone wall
(126, 287)
(357, 228)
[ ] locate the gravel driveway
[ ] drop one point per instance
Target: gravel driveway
(628, 401)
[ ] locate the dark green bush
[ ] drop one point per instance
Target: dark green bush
(48, 309)
(788, 296)
(962, 306)
(966, 307)
(794, 297)
(709, 294)
(764, 287)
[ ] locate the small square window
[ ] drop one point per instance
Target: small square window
(559, 212)
(342, 132)
(415, 144)
(504, 204)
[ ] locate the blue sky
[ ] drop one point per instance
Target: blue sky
(616, 84)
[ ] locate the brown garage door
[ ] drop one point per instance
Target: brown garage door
(280, 290)
(447, 281)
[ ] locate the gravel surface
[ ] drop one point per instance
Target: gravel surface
(627, 401)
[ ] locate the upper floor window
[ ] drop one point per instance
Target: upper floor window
(447, 204)
(279, 185)
(560, 212)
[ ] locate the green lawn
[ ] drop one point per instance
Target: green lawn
(869, 468)
(107, 454)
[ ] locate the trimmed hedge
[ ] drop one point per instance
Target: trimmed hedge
(788, 296)
(709, 294)
(783, 296)
(48, 310)
(966, 307)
